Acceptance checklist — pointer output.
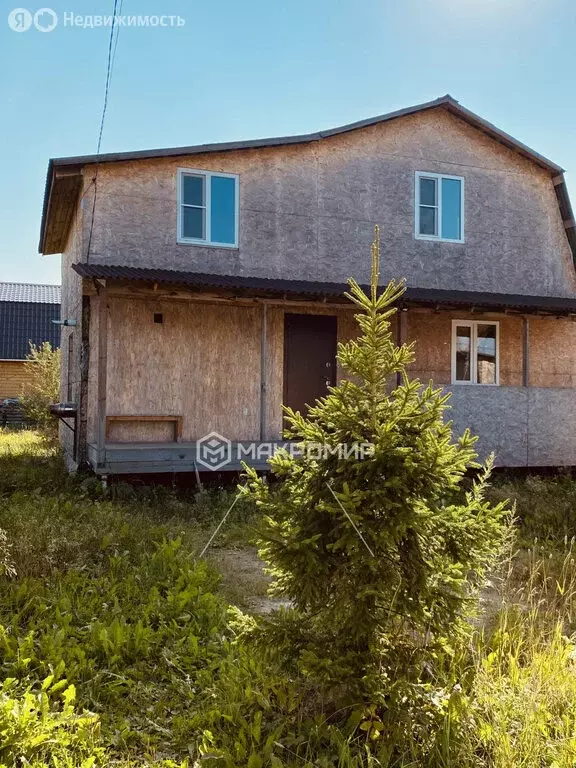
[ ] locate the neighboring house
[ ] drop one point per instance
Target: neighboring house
(26, 315)
(207, 284)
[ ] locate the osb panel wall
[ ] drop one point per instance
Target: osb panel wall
(309, 211)
(202, 362)
(432, 334)
(552, 352)
(134, 432)
(14, 378)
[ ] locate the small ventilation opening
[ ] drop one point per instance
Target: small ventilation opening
(158, 318)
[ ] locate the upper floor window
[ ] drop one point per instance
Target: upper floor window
(439, 207)
(208, 208)
(475, 352)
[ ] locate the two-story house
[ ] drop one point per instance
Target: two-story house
(206, 284)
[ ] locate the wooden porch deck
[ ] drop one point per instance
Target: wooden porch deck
(136, 458)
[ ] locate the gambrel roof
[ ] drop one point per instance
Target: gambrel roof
(63, 181)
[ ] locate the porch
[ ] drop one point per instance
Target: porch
(523, 426)
(145, 458)
(187, 362)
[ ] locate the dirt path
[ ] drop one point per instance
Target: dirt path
(243, 580)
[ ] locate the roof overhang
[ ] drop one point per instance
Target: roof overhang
(304, 290)
(61, 193)
(63, 186)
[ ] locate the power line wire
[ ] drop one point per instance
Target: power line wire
(112, 45)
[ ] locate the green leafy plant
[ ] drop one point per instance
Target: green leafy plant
(37, 730)
(43, 388)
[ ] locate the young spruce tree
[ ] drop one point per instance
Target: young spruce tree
(380, 555)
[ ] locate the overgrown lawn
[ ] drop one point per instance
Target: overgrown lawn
(118, 645)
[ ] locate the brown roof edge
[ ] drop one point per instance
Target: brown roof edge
(58, 177)
(310, 289)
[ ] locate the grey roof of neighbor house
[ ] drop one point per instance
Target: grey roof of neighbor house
(26, 314)
(446, 102)
(30, 292)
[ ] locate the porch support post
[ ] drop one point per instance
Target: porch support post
(81, 456)
(102, 372)
(525, 352)
(263, 371)
(401, 318)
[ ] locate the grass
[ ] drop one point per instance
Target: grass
(107, 591)
(119, 646)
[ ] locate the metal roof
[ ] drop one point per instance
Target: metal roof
(30, 292)
(69, 164)
(22, 322)
(318, 291)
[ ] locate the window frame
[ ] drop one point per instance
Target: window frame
(207, 242)
(438, 177)
(473, 325)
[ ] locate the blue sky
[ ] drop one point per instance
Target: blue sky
(256, 68)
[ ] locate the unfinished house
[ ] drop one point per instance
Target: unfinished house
(204, 286)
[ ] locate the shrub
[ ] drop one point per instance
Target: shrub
(43, 366)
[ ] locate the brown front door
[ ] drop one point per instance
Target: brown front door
(309, 358)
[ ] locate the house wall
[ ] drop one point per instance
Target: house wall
(308, 211)
(14, 378)
(432, 334)
(552, 352)
(551, 345)
(203, 363)
(523, 426)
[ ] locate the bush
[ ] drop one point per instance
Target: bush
(43, 366)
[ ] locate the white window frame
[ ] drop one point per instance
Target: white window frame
(473, 325)
(182, 172)
(438, 176)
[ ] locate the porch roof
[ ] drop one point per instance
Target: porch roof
(306, 290)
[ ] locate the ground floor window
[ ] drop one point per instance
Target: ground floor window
(475, 352)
